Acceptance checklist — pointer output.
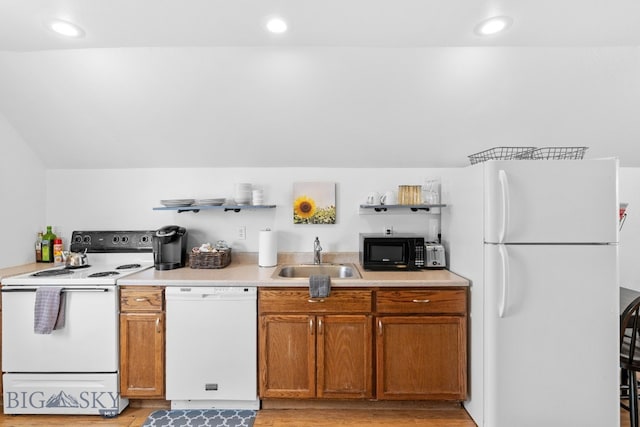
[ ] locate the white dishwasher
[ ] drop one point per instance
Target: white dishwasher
(211, 353)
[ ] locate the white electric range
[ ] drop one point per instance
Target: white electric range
(74, 369)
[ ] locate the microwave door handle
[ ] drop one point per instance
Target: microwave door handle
(504, 191)
(504, 297)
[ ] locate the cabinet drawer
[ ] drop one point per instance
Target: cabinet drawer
(147, 298)
(436, 301)
(287, 300)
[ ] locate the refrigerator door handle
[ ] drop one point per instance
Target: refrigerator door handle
(504, 190)
(504, 257)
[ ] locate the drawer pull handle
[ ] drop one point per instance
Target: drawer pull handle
(142, 299)
(421, 300)
(316, 300)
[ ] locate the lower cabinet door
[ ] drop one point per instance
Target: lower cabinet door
(287, 359)
(421, 357)
(345, 354)
(142, 355)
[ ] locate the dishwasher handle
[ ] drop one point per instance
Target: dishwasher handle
(209, 293)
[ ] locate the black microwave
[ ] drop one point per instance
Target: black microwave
(391, 252)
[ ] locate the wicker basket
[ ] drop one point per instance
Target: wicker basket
(219, 259)
(500, 153)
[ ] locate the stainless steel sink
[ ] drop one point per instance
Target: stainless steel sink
(301, 271)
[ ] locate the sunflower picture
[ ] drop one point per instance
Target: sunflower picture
(314, 203)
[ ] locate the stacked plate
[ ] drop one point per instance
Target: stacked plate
(242, 194)
(177, 203)
(210, 202)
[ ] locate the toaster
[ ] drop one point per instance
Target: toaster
(434, 255)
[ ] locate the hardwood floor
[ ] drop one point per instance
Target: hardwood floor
(134, 417)
(363, 418)
(130, 417)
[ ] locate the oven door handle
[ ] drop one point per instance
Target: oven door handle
(63, 289)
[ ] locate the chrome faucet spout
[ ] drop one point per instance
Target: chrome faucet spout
(317, 249)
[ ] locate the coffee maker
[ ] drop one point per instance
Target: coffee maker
(169, 247)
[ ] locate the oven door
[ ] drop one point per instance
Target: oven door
(88, 342)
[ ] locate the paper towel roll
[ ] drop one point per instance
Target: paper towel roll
(267, 248)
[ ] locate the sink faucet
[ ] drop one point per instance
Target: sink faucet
(317, 256)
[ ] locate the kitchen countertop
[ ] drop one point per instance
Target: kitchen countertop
(25, 268)
(244, 271)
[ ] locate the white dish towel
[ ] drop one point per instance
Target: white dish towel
(49, 309)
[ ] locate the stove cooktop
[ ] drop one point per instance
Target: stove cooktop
(112, 255)
(98, 274)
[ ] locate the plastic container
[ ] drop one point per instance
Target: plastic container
(57, 251)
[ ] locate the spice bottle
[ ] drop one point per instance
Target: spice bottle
(47, 245)
(39, 247)
(57, 250)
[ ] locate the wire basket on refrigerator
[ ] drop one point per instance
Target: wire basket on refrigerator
(500, 153)
(528, 153)
(556, 153)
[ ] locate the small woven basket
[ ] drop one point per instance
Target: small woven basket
(219, 259)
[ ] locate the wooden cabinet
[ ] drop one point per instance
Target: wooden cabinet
(421, 344)
(318, 347)
(415, 348)
(142, 342)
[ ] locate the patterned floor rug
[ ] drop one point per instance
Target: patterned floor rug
(201, 418)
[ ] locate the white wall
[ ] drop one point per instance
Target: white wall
(124, 198)
(318, 106)
(630, 232)
(22, 197)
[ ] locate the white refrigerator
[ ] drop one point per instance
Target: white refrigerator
(538, 241)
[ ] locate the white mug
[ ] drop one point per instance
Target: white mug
(373, 198)
(388, 198)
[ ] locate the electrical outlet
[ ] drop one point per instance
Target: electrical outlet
(388, 230)
(242, 232)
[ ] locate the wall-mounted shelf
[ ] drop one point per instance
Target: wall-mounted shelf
(226, 208)
(412, 208)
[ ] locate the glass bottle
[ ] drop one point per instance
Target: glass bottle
(39, 247)
(47, 245)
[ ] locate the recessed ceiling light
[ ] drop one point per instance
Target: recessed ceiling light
(66, 28)
(493, 25)
(276, 25)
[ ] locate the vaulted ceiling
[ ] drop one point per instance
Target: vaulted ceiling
(352, 83)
